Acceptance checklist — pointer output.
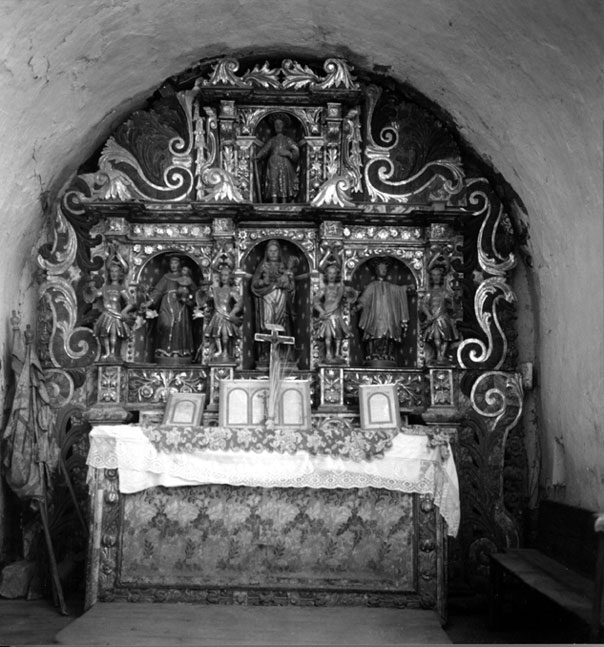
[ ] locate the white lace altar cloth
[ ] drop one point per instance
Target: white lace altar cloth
(410, 465)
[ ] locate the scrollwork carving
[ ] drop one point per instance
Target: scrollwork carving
(495, 408)
(224, 74)
(290, 76)
(418, 159)
(70, 345)
(495, 260)
(334, 192)
(339, 74)
(72, 237)
(60, 386)
(222, 184)
(151, 152)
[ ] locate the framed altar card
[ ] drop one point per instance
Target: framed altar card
(379, 407)
(184, 409)
(293, 408)
(243, 403)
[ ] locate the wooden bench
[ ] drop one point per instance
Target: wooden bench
(571, 584)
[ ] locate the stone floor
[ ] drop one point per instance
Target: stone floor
(527, 621)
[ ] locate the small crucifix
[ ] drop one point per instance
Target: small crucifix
(274, 339)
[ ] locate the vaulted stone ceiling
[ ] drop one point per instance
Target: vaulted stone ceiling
(522, 81)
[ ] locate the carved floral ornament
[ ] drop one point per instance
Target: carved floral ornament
(290, 76)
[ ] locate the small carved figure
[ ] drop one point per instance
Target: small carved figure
(186, 284)
(328, 304)
(437, 306)
(225, 324)
(173, 294)
(112, 326)
(280, 178)
(274, 288)
(384, 316)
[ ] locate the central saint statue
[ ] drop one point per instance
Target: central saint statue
(280, 178)
(274, 290)
(384, 317)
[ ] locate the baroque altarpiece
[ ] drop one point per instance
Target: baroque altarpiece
(303, 202)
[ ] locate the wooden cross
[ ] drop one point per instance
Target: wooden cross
(274, 339)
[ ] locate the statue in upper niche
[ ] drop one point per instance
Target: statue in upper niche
(280, 181)
(384, 316)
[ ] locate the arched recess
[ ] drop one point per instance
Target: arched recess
(383, 176)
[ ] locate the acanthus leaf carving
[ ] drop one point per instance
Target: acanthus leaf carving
(334, 192)
(264, 77)
(152, 149)
(223, 186)
(495, 264)
(496, 400)
(291, 75)
(70, 345)
(339, 74)
(297, 76)
(224, 74)
(417, 159)
(206, 145)
(351, 155)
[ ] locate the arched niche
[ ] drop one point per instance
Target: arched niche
(293, 131)
(302, 318)
(406, 353)
(144, 338)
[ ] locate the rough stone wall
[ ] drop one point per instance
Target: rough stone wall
(523, 81)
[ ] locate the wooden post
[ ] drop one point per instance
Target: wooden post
(596, 618)
(495, 594)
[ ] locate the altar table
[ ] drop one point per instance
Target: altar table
(269, 527)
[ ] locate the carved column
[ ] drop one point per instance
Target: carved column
(493, 409)
(332, 388)
(223, 252)
(330, 252)
(332, 159)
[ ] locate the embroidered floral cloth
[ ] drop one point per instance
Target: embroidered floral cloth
(410, 465)
(333, 438)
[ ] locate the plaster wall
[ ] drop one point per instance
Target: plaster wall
(523, 82)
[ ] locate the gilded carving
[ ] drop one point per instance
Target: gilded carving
(416, 159)
(410, 386)
(493, 289)
(441, 387)
(332, 386)
(154, 386)
(109, 389)
(366, 174)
